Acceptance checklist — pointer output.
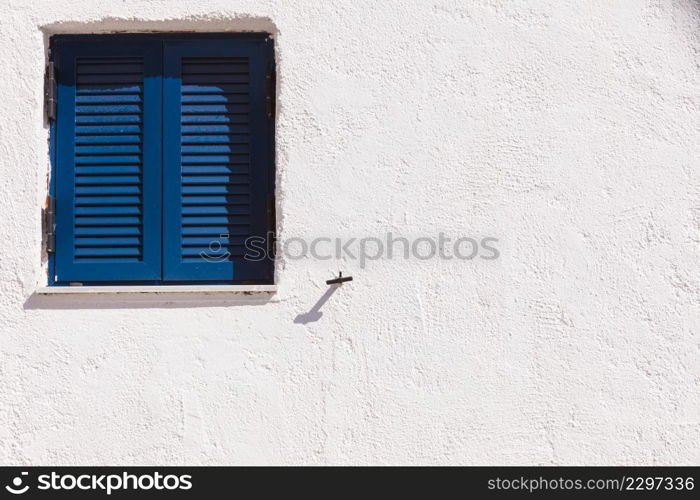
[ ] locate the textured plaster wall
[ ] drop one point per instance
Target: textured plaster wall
(570, 130)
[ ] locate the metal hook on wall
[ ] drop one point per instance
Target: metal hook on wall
(339, 280)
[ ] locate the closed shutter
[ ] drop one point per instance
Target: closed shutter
(217, 142)
(108, 171)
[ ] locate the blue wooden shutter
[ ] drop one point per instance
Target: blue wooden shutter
(217, 159)
(108, 171)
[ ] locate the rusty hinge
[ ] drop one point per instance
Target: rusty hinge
(50, 91)
(50, 224)
(270, 97)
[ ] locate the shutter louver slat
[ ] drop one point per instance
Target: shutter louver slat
(121, 180)
(214, 220)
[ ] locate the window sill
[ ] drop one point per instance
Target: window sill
(179, 289)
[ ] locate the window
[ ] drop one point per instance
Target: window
(163, 159)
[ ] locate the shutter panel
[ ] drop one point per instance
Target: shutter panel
(108, 172)
(217, 159)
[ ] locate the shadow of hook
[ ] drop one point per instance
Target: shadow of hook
(314, 314)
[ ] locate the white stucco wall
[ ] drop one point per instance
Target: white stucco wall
(567, 129)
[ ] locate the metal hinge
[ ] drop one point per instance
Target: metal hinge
(50, 91)
(271, 226)
(270, 98)
(50, 224)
